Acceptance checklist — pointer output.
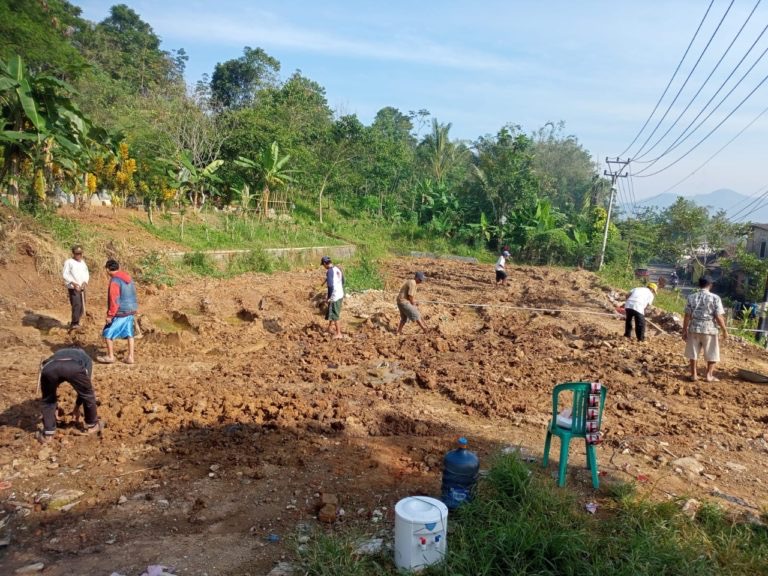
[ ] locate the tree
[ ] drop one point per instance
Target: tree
(42, 33)
(440, 153)
(271, 169)
(564, 167)
(39, 123)
(504, 171)
(127, 49)
(339, 151)
(193, 180)
(235, 83)
(389, 160)
(687, 230)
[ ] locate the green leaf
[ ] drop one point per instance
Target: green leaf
(24, 92)
(13, 136)
(8, 84)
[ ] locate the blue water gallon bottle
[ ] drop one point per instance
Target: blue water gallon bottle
(460, 469)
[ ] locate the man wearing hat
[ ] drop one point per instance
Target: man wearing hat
(406, 303)
(334, 278)
(76, 277)
(638, 300)
(501, 269)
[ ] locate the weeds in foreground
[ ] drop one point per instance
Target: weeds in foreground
(520, 523)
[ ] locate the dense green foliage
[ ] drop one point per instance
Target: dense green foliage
(92, 107)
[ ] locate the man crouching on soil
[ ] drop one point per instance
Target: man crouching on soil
(74, 366)
(406, 303)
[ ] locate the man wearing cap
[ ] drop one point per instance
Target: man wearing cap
(76, 277)
(501, 271)
(334, 279)
(638, 300)
(121, 309)
(74, 366)
(703, 315)
(407, 305)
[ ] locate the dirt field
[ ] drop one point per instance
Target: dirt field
(241, 411)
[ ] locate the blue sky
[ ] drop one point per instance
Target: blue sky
(599, 66)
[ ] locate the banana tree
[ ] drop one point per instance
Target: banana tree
(38, 123)
(194, 181)
(271, 171)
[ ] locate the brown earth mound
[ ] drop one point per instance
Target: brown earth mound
(241, 411)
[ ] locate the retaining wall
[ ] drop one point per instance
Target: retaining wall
(306, 255)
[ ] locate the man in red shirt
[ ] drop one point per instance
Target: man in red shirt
(121, 308)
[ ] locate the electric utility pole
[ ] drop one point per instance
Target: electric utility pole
(615, 175)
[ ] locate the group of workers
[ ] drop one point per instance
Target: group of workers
(704, 315)
(73, 365)
(704, 320)
(406, 299)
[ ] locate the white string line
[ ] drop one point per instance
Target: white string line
(575, 311)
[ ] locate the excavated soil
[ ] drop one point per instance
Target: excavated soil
(241, 411)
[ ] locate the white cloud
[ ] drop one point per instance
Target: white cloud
(269, 31)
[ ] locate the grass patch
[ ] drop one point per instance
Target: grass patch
(363, 275)
(520, 523)
(213, 231)
(65, 231)
(200, 264)
(254, 261)
(153, 269)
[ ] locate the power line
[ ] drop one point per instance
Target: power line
(755, 119)
(684, 135)
(685, 83)
(746, 198)
(703, 84)
(700, 142)
(737, 216)
(674, 74)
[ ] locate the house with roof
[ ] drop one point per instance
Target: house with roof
(757, 240)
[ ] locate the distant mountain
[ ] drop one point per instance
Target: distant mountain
(737, 206)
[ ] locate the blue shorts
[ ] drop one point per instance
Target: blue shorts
(120, 327)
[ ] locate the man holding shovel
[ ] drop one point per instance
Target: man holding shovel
(76, 279)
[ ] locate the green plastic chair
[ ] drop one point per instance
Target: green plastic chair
(579, 407)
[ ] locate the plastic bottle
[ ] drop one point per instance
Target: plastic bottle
(460, 469)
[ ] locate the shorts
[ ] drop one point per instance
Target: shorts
(334, 310)
(408, 311)
(706, 343)
(500, 275)
(120, 327)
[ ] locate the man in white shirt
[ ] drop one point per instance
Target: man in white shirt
(638, 300)
(334, 279)
(76, 279)
(501, 269)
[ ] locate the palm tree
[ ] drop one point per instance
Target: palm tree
(442, 153)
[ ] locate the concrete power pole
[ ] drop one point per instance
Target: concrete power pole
(615, 175)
